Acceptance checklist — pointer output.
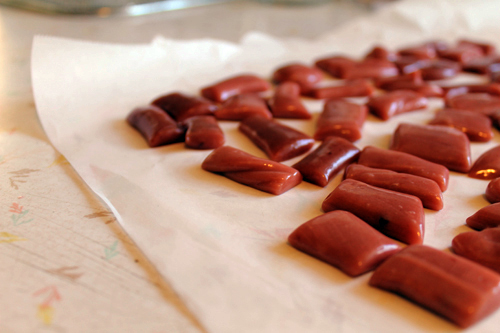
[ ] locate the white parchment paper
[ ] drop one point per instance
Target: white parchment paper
(220, 244)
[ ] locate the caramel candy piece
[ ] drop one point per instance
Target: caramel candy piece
(476, 126)
(155, 125)
(487, 166)
(462, 53)
(482, 247)
(423, 51)
(346, 68)
(341, 118)
(326, 161)
(344, 241)
(334, 65)
(405, 163)
(395, 102)
(439, 144)
(424, 89)
(478, 102)
(486, 48)
(484, 65)
(425, 189)
(351, 88)
(278, 141)
(180, 106)
(203, 132)
(455, 288)
(236, 85)
(486, 217)
(242, 106)
(286, 102)
(493, 191)
(397, 215)
(380, 52)
(490, 88)
(259, 173)
(307, 77)
(384, 82)
(439, 69)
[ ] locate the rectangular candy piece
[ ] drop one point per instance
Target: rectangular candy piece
(155, 125)
(422, 51)
(439, 144)
(481, 247)
(278, 141)
(334, 65)
(462, 53)
(476, 126)
(286, 102)
(395, 102)
(368, 69)
(203, 132)
(489, 88)
(242, 106)
(351, 88)
(326, 161)
(306, 77)
(405, 163)
(478, 102)
(246, 169)
(485, 65)
(488, 49)
(423, 188)
(222, 90)
(486, 217)
(397, 215)
(181, 106)
(341, 118)
(458, 289)
(344, 241)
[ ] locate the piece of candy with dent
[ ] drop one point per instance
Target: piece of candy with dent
(456, 288)
(486, 217)
(180, 106)
(278, 141)
(487, 166)
(492, 193)
(482, 247)
(425, 189)
(261, 174)
(203, 132)
(477, 102)
(341, 118)
(343, 240)
(306, 77)
(240, 84)
(350, 88)
(476, 126)
(286, 102)
(397, 215)
(395, 102)
(155, 125)
(405, 163)
(439, 144)
(325, 162)
(242, 106)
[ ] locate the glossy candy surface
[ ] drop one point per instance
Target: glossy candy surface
(478, 102)
(351, 88)
(180, 106)
(476, 126)
(406, 163)
(492, 193)
(235, 85)
(456, 288)
(482, 247)
(439, 144)
(286, 102)
(380, 52)
(155, 125)
(486, 217)
(341, 118)
(306, 77)
(242, 106)
(487, 166)
(395, 102)
(259, 173)
(485, 65)
(334, 65)
(462, 52)
(397, 215)
(278, 141)
(344, 241)
(425, 189)
(326, 161)
(203, 132)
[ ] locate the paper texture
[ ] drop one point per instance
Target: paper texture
(220, 244)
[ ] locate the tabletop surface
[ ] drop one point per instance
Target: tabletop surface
(67, 266)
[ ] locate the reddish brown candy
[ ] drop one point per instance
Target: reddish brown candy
(478, 102)
(259, 173)
(424, 88)
(155, 125)
(482, 247)
(414, 77)
(439, 69)
(341, 118)
(456, 288)
(439, 144)
(181, 106)
(397, 215)
(487, 166)
(350, 88)
(395, 102)
(278, 141)
(486, 48)
(369, 68)
(405, 163)
(307, 77)
(492, 193)
(380, 52)
(236, 85)
(486, 217)
(203, 132)
(476, 126)
(326, 161)
(242, 106)
(410, 64)
(490, 88)
(334, 65)
(484, 65)
(423, 51)
(286, 102)
(462, 53)
(425, 189)
(344, 241)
